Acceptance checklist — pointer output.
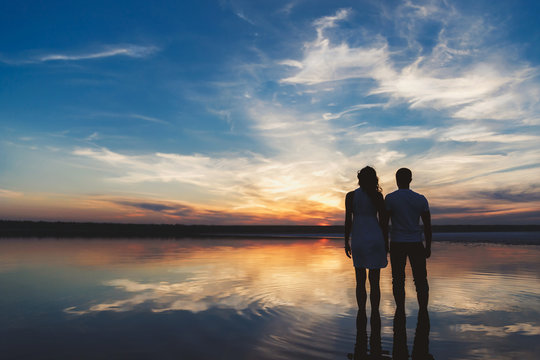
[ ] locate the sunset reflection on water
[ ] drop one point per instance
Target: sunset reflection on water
(290, 290)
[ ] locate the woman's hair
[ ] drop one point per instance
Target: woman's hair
(369, 183)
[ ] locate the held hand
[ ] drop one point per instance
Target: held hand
(348, 250)
(428, 252)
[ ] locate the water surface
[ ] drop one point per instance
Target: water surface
(251, 299)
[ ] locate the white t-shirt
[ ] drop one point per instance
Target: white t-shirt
(405, 207)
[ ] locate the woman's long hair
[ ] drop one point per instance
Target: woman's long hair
(369, 183)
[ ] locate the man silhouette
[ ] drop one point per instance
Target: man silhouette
(405, 208)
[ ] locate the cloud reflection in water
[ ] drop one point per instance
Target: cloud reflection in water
(306, 275)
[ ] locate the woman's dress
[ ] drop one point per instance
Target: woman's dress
(367, 241)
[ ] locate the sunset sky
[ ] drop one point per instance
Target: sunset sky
(261, 112)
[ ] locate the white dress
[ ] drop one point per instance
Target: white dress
(367, 241)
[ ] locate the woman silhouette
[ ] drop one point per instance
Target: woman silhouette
(365, 218)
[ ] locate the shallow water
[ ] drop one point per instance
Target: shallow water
(251, 299)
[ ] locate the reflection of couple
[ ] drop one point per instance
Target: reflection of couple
(366, 218)
(400, 351)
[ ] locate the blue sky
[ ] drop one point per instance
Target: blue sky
(262, 111)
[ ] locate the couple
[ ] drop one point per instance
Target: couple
(366, 216)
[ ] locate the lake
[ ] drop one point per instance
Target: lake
(254, 299)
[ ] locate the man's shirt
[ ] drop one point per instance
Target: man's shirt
(405, 207)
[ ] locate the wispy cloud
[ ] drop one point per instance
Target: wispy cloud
(355, 108)
(170, 209)
(147, 118)
(243, 16)
(482, 92)
(477, 132)
(133, 51)
(399, 133)
(328, 22)
(93, 136)
(513, 195)
(130, 51)
(10, 194)
(288, 8)
(324, 62)
(126, 115)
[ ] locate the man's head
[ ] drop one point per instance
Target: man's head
(403, 178)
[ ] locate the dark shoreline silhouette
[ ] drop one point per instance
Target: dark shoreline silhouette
(9, 228)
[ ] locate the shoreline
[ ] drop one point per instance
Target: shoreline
(17, 229)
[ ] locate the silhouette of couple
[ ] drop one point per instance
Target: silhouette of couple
(367, 216)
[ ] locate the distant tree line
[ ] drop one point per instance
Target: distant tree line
(10, 228)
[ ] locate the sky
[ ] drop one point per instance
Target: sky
(261, 112)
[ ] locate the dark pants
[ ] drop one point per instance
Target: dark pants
(415, 251)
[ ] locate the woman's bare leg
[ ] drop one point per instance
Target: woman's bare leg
(375, 290)
(361, 295)
(360, 348)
